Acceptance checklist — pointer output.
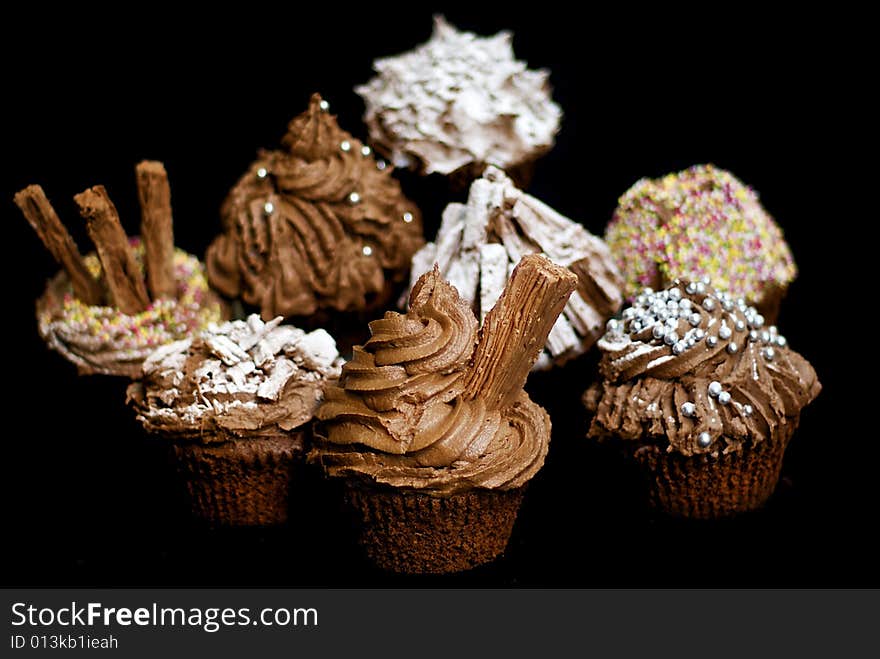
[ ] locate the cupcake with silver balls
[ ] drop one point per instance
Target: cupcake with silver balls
(702, 395)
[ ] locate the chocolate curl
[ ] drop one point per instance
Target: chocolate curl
(121, 272)
(157, 231)
(516, 329)
(42, 217)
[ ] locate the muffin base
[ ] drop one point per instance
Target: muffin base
(704, 487)
(242, 482)
(412, 533)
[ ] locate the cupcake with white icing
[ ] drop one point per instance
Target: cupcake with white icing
(236, 404)
(479, 244)
(460, 102)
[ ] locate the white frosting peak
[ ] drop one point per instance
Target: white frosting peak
(459, 99)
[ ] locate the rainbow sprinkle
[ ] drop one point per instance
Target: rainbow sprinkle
(702, 222)
(162, 322)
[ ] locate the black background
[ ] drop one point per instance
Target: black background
(86, 498)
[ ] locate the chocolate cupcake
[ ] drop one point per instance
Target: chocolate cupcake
(430, 429)
(702, 222)
(315, 229)
(107, 312)
(480, 242)
(458, 103)
(235, 404)
(702, 396)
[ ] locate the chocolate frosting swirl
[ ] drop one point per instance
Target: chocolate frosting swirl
(318, 225)
(698, 369)
(400, 417)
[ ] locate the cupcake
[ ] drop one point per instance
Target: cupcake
(315, 229)
(702, 396)
(702, 222)
(480, 242)
(106, 312)
(429, 428)
(458, 103)
(235, 404)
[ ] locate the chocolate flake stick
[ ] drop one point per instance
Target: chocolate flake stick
(156, 228)
(124, 281)
(515, 330)
(42, 217)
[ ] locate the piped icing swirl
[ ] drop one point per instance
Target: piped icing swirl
(237, 380)
(699, 369)
(318, 225)
(103, 339)
(459, 100)
(399, 415)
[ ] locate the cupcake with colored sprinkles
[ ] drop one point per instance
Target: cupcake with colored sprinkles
(316, 231)
(106, 312)
(235, 404)
(458, 103)
(702, 395)
(430, 430)
(702, 222)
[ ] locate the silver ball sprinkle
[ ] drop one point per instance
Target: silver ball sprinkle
(261, 172)
(780, 341)
(727, 304)
(747, 409)
(706, 280)
(324, 105)
(724, 397)
(628, 313)
(672, 322)
(679, 348)
(732, 347)
(709, 304)
(695, 319)
(670, 338)
(699, 334)
(741, 303)
(269, 207)
(757, 321)
(688, 409)
(712, 341)
(704, 439)
(612, 325)
(354, 198)
(691, 342)
(753, 336)
(672, 305)
(685, 305)
(647, 290)
(365, 151)
(407, 217)
(739, 325)
(345, 145)
(701, 287)
(675, 294)
(769, 354)
(367, 250)
(381, 165)
(658, 332)
(715, 388)
(765, 336)
(635, 326)
(691, 288)
(725, 332)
